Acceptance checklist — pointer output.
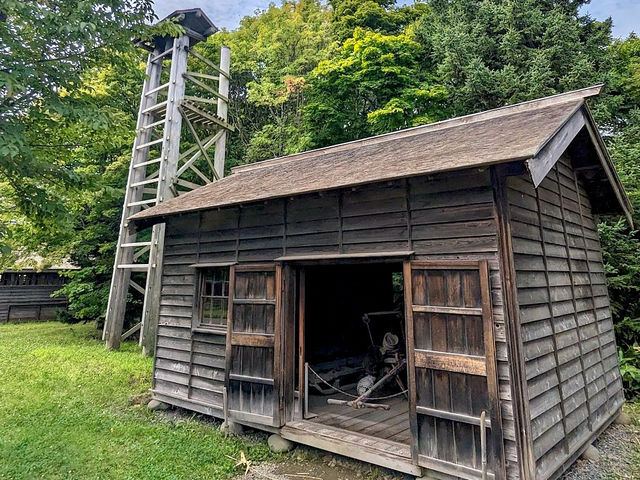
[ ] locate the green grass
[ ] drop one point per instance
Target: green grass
(68, 411)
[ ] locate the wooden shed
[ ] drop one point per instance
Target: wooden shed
(25, 294)
(463, 254)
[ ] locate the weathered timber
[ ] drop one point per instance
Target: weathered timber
(506, 313)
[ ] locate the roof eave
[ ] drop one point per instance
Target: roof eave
(140, 218)
(607, 165)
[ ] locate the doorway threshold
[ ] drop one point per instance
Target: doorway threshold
(384, 453)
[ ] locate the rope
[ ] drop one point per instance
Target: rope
(351, 395)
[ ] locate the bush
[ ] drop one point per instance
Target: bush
(629, 361)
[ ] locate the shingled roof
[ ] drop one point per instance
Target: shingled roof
(516, 132)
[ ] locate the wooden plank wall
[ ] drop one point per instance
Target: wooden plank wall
(445, 216)
(30, 302)
(572, 373)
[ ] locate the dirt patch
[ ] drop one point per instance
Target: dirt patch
(306, 463)
(140, 400)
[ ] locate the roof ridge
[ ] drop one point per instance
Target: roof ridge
(573, 95)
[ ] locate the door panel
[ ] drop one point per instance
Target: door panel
(452, 368)
(253, 344)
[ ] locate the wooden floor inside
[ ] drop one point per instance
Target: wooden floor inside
(391, 425)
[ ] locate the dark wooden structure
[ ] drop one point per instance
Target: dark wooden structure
(25, 295)
(486, 225)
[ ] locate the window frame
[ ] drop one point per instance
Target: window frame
(198, 310)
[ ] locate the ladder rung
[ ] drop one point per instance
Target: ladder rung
(148, 144)
(203, 75)
(136, 267)
(136, 244)
(157, 89)
(152, 125)
(155, 107)
(142, 202)
(148, 162)
(145, 182)
(161, 55)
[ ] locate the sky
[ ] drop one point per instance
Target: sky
(227, 13)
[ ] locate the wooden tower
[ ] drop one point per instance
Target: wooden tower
(179, 146)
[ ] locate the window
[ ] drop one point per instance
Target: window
(214, 297)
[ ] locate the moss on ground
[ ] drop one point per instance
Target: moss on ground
(71, 410)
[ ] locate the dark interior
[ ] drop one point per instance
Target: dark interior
(336, 299)
(348, 310)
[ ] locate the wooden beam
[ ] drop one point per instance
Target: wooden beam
(222, 109)
(447, 415)
(451, 362)
(136, 286)
(250, 379)
(131, 331)
(202, 148)
(198, 153)
(540, 165)
(252, 339)
(447, 310)
(517, 375)
(338, 256)
(210, 64)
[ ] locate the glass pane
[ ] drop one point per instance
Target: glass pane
(215, 296)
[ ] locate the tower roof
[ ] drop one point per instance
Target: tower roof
(195, 22)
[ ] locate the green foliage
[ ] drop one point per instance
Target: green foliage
(71, 411)
(304, 74)
(629, 361)
(373, 83)
(375, 15)
(491, 53)
(272, 54)
(47, 50)
(622, 262)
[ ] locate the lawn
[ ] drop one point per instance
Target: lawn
(71, 410)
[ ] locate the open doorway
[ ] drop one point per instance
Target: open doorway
(353, 357)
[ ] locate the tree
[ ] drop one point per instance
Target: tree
(372, 83)
(491, 53)
(48, 52)
(380, 16)
(272, 54)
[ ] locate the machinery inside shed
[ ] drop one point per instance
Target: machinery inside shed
(354, 355)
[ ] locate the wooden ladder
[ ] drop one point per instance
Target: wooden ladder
(171, 108)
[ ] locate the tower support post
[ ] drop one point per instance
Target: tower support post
(175, 106)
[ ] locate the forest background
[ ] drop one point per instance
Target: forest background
(305, 74)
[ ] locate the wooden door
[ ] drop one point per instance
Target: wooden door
(452, 369)
(253, 344)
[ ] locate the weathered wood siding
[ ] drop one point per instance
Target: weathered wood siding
(445, 216)
(572, 372)
(32, 301)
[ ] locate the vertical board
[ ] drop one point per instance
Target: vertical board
(452, 368)
(253, 344)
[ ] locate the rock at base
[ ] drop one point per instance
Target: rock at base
(591, 453)
(232, 428)
(277, 444)
(158, 405)
(622, 419)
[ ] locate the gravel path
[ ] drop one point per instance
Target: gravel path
(619, 448)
